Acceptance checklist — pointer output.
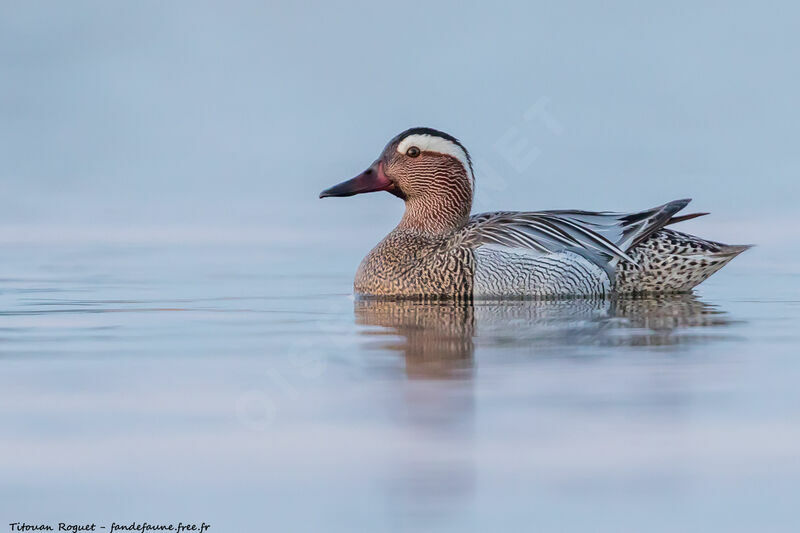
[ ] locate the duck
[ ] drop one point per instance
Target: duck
(441, 251)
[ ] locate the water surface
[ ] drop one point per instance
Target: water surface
(245, 386)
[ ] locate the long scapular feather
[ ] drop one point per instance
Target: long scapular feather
(683, 218)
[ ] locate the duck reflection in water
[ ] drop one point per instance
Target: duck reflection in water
(438, 339)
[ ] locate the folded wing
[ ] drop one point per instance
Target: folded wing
(603, 237)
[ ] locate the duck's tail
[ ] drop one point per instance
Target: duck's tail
(670, 261)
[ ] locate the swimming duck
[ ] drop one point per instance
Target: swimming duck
(440, 251)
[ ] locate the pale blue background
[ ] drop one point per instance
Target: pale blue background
(230, 115)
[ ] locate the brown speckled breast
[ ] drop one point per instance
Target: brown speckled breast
(407, 264)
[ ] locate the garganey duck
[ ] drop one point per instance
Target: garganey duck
(440, 251)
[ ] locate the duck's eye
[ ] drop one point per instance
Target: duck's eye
(412, 152)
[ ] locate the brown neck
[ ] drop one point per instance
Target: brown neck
(437, 214)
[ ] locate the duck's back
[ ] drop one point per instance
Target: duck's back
(580, 253)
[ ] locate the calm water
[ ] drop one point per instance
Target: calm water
(243, 386)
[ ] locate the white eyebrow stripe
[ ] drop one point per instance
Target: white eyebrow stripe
(432, 143)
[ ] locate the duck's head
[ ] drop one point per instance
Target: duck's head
(429, 169)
